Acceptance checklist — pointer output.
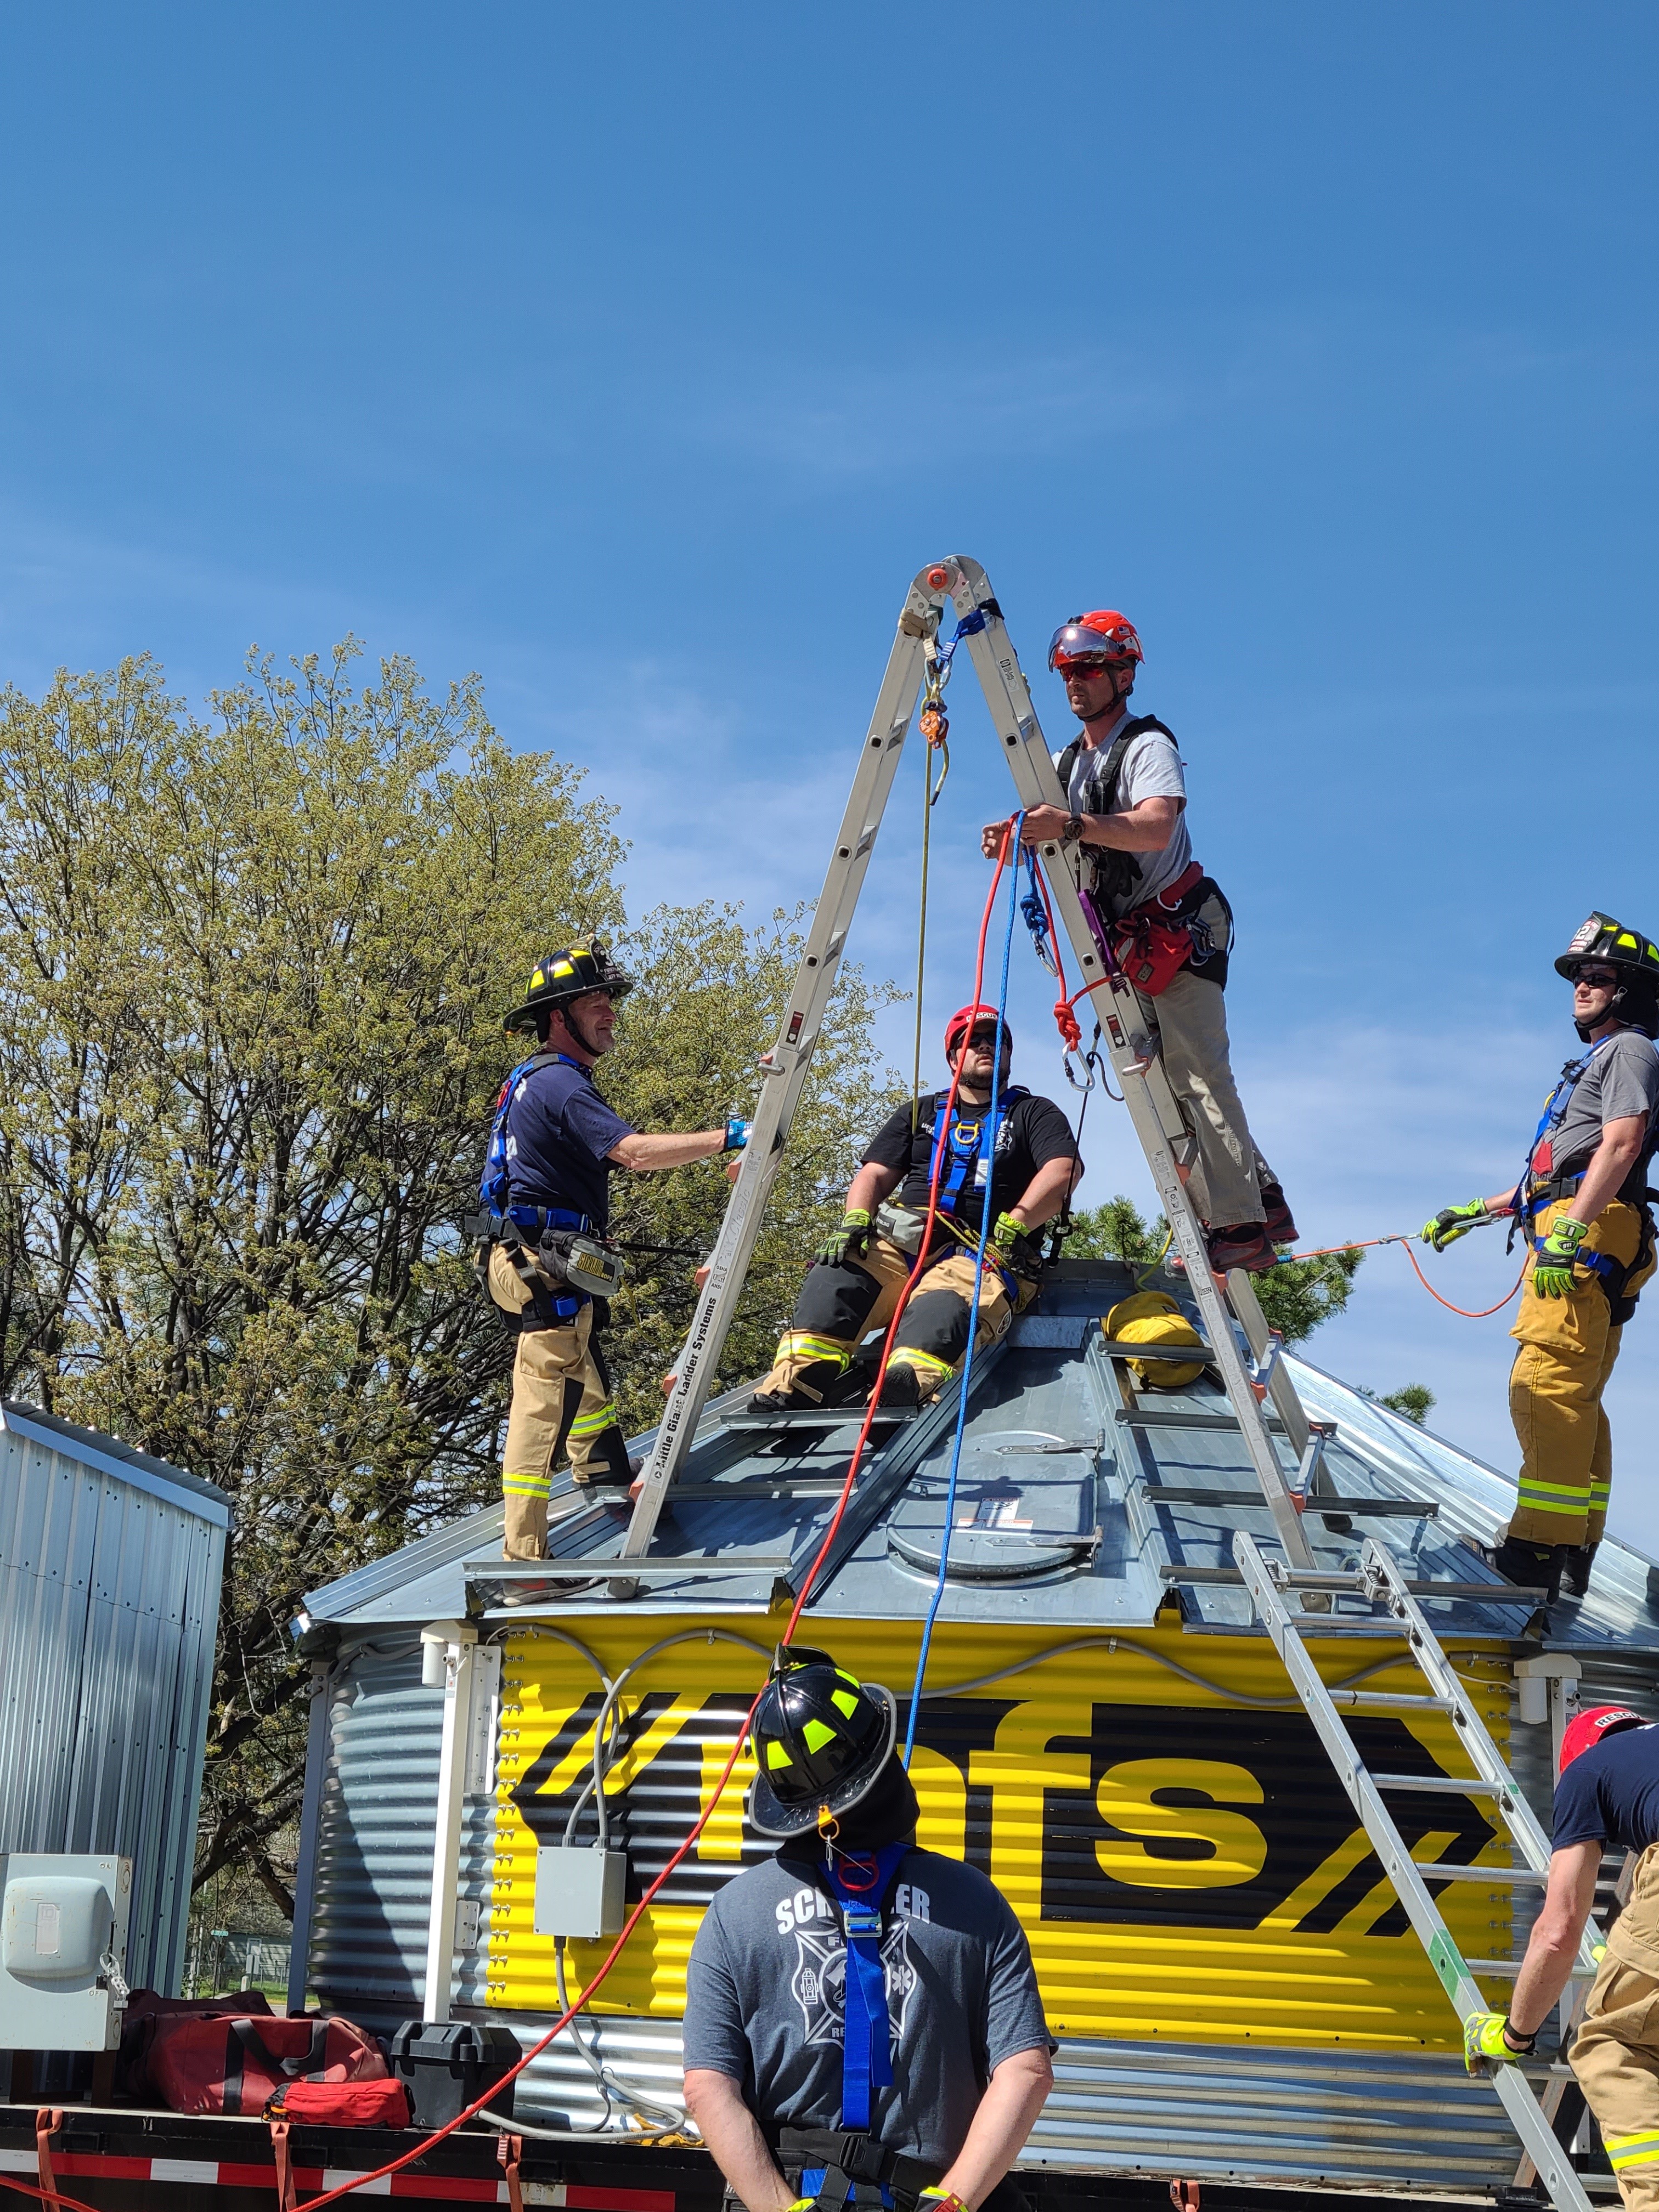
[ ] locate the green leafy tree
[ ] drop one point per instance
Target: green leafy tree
(253, 976)
(1296, 1296)
(1412, 1402)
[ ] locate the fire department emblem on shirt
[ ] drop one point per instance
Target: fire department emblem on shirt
(819, 1986)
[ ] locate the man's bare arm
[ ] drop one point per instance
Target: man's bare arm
(1610, 1161)
(733, 2136)
(646, 1155)
(1555, 1933)
(873, 1183)
(1048, 1191)
(1016, 2094)
(1147, 827)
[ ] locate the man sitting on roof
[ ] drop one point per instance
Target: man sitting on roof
(1031, 1166)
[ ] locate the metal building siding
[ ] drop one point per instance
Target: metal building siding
(374, 1845)
(1184, 1867)
(109, 1592)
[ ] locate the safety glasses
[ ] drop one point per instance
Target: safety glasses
(1598, 979)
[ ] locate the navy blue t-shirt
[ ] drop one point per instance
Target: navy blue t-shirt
(1610, 1794)
(558, 1132)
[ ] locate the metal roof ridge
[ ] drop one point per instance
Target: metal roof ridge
(125, 1461)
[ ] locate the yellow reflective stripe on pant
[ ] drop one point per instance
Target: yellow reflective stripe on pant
(590, 1424)
(1632, 2150)
(926, 1365)
(801, 1344)
(526, 1486)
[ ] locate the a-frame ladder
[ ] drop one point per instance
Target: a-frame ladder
(1379, 1579)
(1158, 1122)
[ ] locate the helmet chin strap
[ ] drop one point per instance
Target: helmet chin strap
(1609, 1013)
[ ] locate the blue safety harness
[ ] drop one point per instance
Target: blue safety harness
(963, 1142)
(496, 1199)
(1534, 1189)
(866, 2028)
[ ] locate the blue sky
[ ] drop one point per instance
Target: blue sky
(637, 359)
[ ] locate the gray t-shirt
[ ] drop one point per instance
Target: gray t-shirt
(766, 1980)
(1151, 770)
(1622, 1079)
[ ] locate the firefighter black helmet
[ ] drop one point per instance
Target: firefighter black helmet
(822, 1739)
(568, 974)
(1634, 956)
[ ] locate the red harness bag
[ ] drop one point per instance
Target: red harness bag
(342, 2103)
(1151, 947)
(239, 2065)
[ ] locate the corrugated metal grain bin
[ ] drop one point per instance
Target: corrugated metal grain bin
(110, 1568)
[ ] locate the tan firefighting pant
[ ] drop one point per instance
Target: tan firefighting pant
(560, 1399)
(932, 1337)
(1615, 2054)
(1190, 1015)
(1568, 1347)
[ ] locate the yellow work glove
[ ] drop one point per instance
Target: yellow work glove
(1484, 2043)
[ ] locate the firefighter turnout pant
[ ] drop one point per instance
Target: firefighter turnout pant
(562, 1401)
(1568, 1348)
(1615, 2054)
(838, 1308)
(1190, 1016)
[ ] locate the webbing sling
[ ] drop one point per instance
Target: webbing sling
(866, 2060)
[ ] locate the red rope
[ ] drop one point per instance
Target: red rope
(396, 2165)
(44, 2195)
(1482, 1313)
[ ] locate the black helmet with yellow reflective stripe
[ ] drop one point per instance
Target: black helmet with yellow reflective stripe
(1635, 958)
(568, 974)
(821, 1738)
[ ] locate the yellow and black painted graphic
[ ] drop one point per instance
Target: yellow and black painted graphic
(1184, 1866)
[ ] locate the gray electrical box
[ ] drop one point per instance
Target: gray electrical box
(580, 1891)
(63, 1947)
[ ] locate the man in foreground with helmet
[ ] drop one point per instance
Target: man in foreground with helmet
(546, 1209)
(1167, 922)
(862, 1267)
(1608, 1796)
(1581, 1205)
(862, 2018)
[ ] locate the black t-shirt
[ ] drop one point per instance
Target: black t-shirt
(1610, 1794)
(1033, 1132)
(558, 1132)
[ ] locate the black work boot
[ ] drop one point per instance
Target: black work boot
(1280, 1223)
(1534, 1566)
(901, 1392)
(1576, 1569)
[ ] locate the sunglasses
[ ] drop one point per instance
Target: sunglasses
(1598, 979)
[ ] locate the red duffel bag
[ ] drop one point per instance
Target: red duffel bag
(239, 2065)
(145, 2011)
(342, 2103)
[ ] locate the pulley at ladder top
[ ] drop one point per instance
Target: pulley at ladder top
(940, 578)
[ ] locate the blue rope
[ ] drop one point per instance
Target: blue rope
(937, 1598)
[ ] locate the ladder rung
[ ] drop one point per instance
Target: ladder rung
(1230, 1578)
(1451, 1784)
(1390, 1701)
(1413, 1509)
(1507, 1969)
(1177, 1417)
(1523, 1874)
(820, 1417)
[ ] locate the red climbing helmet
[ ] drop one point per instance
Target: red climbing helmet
(1584, 1733)
(963, 1023)
(1103, 637)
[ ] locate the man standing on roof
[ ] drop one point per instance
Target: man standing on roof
(1168, 923)
(546, 1209)
(862, 2020)
(1582, 1204)
(860, 1271)
(1608, 1797)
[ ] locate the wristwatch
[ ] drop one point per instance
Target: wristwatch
(1073, 830)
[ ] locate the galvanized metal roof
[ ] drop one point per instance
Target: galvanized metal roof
(1082, 1499)
(93, 1448)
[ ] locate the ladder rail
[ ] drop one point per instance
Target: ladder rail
(1552, 2163)
(1152, 1106)
(783, 1068)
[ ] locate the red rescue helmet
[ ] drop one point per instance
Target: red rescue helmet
(1584, 1733)
(1103, 637)
(963, 1023)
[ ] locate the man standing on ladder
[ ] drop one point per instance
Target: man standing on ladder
(546, 1209)
(861, 2016)
(1023, 1171)
(1168, 923)
(1582, 1206)
(1608, 1797)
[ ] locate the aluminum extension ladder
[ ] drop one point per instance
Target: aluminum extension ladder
(1159, 1123)
(1379, 1579)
